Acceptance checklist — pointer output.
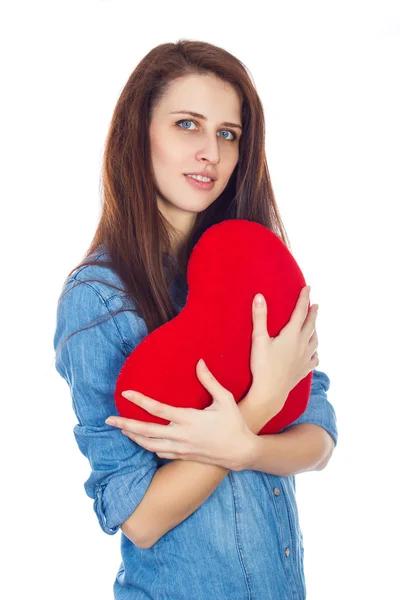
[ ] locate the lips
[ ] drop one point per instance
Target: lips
(198, 184)
(209, 176)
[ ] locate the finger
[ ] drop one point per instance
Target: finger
(314, 362)
(159, 409)
(313, 344)
(153, 430)
(259, 315)
(123, 422)
(175, 449)
(168, 455)
(210, 382)
(156, 444)
(309, 324)
(300, 311)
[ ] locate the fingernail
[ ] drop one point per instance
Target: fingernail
(259, 300)
(111, 421)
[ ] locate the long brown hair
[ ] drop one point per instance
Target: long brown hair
(135, 233)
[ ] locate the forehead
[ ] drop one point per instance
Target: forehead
(205, 94)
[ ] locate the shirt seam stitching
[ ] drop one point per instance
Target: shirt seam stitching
(102, 299)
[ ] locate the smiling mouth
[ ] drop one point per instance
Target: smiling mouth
(200, 185)
(191, 175)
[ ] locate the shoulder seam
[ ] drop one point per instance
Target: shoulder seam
(85, 266)
(102, 299)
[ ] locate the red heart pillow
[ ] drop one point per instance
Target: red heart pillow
(231, 262)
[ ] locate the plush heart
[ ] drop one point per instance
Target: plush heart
(231, 262)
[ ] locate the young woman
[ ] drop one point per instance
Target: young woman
(197, 521)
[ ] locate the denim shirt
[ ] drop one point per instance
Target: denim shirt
(244, 542)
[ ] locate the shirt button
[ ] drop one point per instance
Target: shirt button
(287, 551)
(276, 491)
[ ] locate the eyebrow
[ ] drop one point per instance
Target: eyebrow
(199, 116)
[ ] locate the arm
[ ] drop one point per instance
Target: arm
(120, 471)
(126, 482)
(306, 444)
(301, 448)
(179, 487)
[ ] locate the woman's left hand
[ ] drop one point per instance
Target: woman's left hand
(217, 434)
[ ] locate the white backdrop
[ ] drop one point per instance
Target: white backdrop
(328, 77)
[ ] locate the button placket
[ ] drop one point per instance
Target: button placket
(277, 491)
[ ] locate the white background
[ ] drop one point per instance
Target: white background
(328, 78)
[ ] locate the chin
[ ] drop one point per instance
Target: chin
(195, 207)
(186, 201)
(193, 204)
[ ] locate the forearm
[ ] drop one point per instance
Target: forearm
(303, 447)
(179, 487)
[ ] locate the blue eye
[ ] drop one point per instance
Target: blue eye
(178, 123)
(184, 121)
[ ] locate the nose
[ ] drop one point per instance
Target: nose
(210, 150)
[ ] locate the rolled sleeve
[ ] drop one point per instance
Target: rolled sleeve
(121, 472)
(113, 503)
(120, 469)
(319, 410)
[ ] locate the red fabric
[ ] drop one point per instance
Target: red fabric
(231, 262)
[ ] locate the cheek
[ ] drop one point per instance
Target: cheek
(229, 156)
(162, 152)
(229, 167)
(167, 160)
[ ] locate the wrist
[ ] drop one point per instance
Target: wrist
(251, 452)
(272, 401)
(265, 394)
(256, 411)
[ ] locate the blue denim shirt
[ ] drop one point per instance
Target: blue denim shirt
(244, 541)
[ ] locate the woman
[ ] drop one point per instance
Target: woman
(194, 525)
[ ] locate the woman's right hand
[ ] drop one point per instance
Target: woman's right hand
(278, 364)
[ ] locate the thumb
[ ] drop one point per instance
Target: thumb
(212, 385)
(259, 314)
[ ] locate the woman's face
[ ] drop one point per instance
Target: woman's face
(196, 144)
